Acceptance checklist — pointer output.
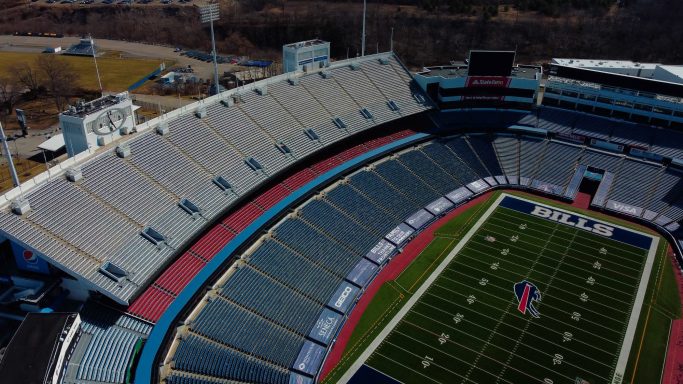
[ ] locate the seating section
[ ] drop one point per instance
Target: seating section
(272, 300)
(507, 150)
(593, 126)
(205, 357)
(294, 271)
(483, 146)
(407, 182)
(316, 246)
(450, 162)
(285, 280)
(669, 190)
(556, 120)
(532, 152)
(601, 160)
(264, 339)
(429, 171)
(105, 347)
(153, 301)
(359, 207)
(81, 225)
(559, 163)
(665, 142)
(634, 186)
(383, 194)
(335, 224)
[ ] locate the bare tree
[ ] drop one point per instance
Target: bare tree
(10, 91)
(28, 77)
(59, 77)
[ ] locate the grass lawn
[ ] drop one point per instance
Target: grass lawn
(116, 74)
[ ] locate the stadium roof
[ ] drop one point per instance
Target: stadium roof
(53, 144)
(34, 349)
(604, 64)
(461, 70)
(118, 224)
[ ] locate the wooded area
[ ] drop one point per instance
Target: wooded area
(426, 32)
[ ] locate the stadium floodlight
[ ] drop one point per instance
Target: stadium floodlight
(10, 161)
(210, 13)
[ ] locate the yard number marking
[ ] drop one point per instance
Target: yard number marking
(427, 361)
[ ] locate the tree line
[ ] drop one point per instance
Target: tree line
(47, 76)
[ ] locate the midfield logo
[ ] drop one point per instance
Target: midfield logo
(526, 294)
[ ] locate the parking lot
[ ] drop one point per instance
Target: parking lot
(116, 2)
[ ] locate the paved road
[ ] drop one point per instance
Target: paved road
(128, 49)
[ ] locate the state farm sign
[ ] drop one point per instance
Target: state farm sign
(488, 81)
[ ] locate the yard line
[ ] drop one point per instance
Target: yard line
(507, 337)
(546, 304)
(537, 324)
(603, 258)
(490, 274)
(445, 353)
(562, 280)
(517, 248)
(589, 239)
(542, 304)
(507, 308)
(404, 366)
(521, 256)
(459, 345)
(600, 257)
(590, 236)
(498, 309)
(539, 304)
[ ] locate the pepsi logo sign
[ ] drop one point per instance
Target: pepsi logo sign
(29, 256)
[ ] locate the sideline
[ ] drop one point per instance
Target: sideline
(390, 272)
(414, 299)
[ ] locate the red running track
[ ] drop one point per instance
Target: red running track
(673, 366)
(389, 272)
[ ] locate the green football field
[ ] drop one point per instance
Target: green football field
(466, 326)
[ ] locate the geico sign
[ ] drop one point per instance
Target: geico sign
(578, 222)
(342, 298)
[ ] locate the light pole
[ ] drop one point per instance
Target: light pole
(209, 14)
(10, 162)
(362, 44)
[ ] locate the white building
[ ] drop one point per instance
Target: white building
(97, 123)
(305, 55)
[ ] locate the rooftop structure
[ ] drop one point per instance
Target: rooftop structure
(96, 123)
(85, 47)
(305, 55)
(488, 79)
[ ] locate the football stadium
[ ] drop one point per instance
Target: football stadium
(352, 221)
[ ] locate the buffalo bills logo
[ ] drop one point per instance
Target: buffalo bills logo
(30, 257)
(526, 294)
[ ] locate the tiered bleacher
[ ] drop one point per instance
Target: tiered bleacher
(123, 220)
(104, 351)
(154, 300)
(288, 282)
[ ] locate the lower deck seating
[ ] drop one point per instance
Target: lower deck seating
(295, 268)
(104, 350)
